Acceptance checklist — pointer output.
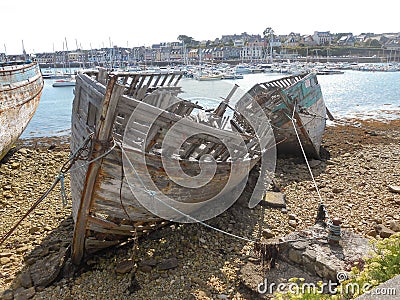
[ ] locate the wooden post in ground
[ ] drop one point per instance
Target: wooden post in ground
(103, 134)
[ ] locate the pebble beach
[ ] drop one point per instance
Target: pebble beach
(358, 179)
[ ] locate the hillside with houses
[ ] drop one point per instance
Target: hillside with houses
(384, 47)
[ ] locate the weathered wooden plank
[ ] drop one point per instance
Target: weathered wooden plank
(210, 147)
(95, 245)
(165, 119)
(103, 133)
(164, 78)
(178, 79)
(134, 82)
(171, 79)
(220, 110)
(102, 76)
(139, 85)
(141, 92)
(191, 147)
(157, 80)
(105, 226)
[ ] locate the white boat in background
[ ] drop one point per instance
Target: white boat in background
(47, 73)
(207, 75)
(231, 75)
(242, 69)
(64, 82)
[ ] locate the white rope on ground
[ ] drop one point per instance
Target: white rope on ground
(60, 178)
(154, 195)
(304, 154)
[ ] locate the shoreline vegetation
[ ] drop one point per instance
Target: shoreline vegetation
(189, 261)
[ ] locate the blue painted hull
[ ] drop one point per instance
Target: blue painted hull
(299, 96)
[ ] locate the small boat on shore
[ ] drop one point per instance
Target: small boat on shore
(149, 157)
(21, 86)
(297, 97)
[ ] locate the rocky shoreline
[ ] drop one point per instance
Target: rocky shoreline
(358, 181)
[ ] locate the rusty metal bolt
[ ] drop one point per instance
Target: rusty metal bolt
(334, 231)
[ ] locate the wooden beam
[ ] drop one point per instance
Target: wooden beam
(104, 129)
(328, 113)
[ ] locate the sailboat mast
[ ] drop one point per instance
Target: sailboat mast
(23, 50)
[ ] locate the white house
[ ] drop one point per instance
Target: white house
(322, 37)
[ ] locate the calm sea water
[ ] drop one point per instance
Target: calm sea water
(352, 94)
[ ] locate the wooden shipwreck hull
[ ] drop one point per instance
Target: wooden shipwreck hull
(297, 96)
(21, 86)
(105, 209)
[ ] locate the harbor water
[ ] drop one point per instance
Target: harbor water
(354, 94)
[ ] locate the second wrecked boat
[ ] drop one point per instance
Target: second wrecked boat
(296, 97)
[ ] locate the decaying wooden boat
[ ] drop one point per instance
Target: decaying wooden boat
(297, 97)
(21, 86)
(138, 119)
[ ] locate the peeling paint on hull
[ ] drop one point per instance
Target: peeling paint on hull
(21, 86)
(300, 96)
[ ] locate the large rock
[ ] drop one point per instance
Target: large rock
(23, 151)
(6, 254)
(4, 260)
(275, 199)
(45, 271)
(167, 264)
(24, 294)
(394, 225)
(15, 165)
(25, 280)
(318, 257)
(125, 266)
(267, 233)
(383, 231)
(314, 163)
(7, 295)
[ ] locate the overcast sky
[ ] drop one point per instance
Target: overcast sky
(45, 24)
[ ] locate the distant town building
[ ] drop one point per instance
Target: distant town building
(238, 43)
(292, 40)
(307, 40)
(193, 54)
(244, 46)
(76, 56)
(322, 37)
(346, 40)
(219, 53)
(232, 53)
(393, 44)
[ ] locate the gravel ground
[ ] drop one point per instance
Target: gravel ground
(191, 261)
